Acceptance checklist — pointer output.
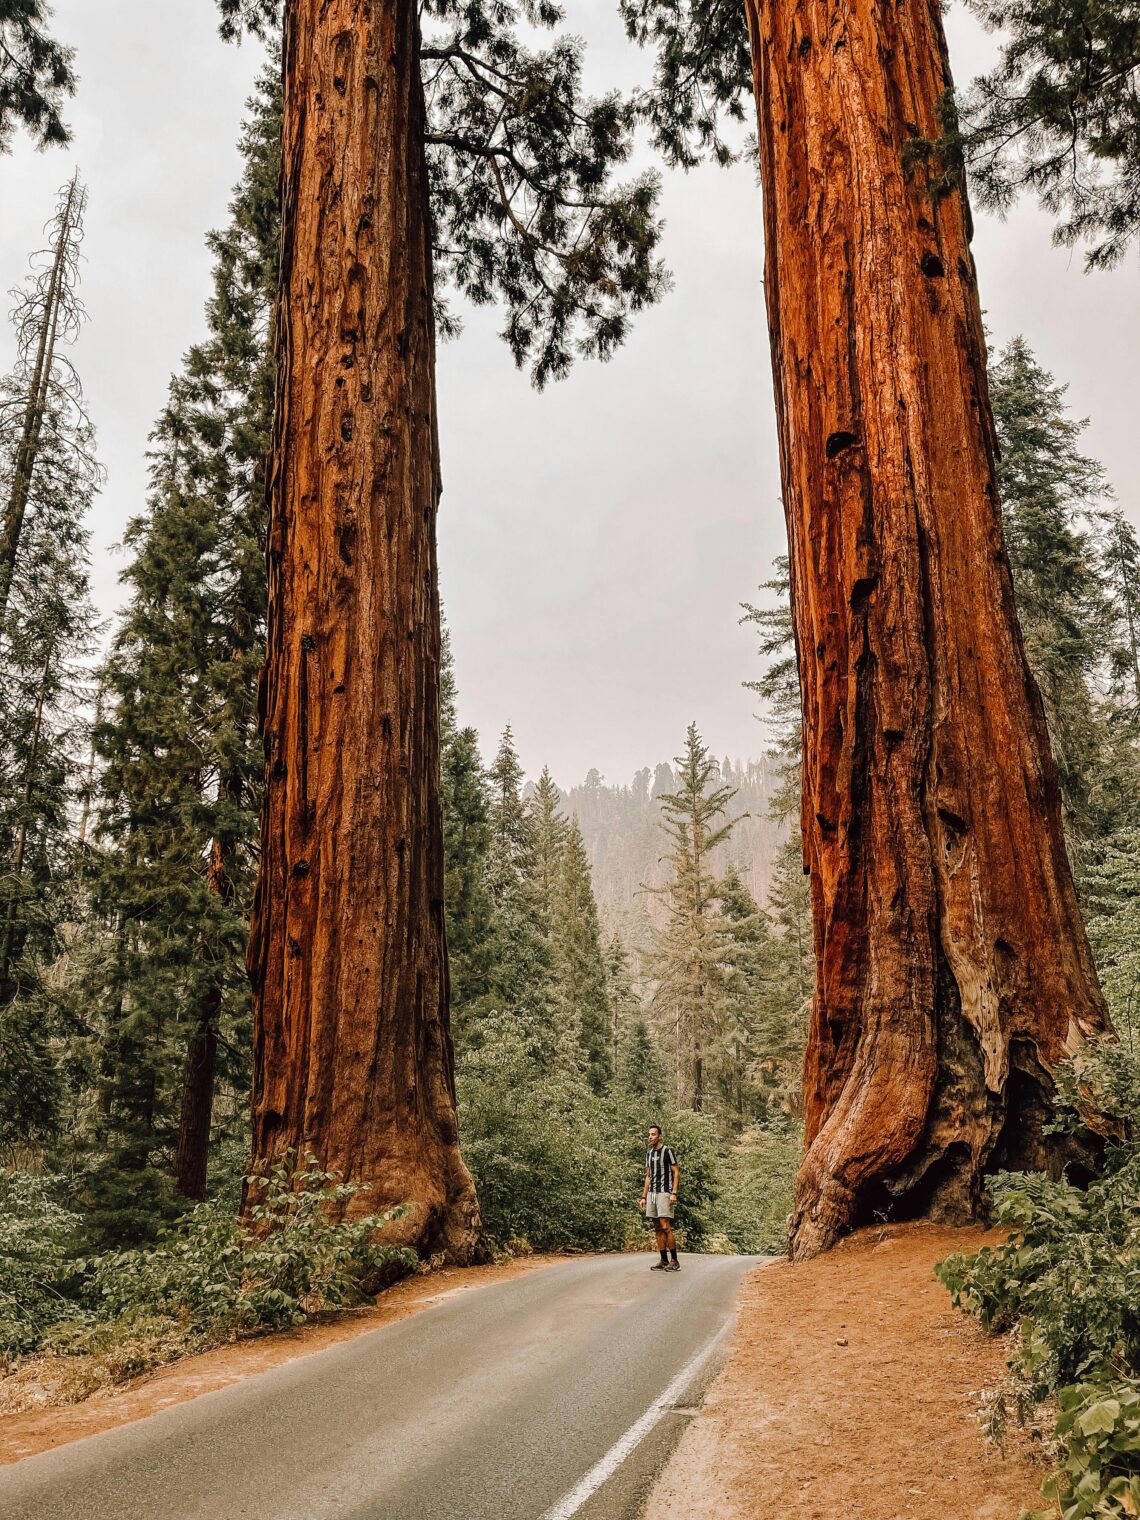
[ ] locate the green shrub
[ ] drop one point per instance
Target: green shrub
(542, 1147)
(215, 1273)
(39, 1277)
(210, 1276)
(558, 1165)
(1068, 1280)
(756, 1191)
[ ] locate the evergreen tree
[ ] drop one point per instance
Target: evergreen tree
(180, 763)
(621, 999)
(779, 688)
(550, 835)
(1048, 491)
(687, 961)
(35, 75)
(523, 978)
(1059, 116)
(579, 964)
(1120, 580)
(471, 933)
(1113, 897)
(789, 980)
(738, 1061)
(46, 643)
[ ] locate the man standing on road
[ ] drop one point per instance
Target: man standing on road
(659, 1197)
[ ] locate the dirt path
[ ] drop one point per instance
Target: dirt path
(851, 1390)
(42, 1429)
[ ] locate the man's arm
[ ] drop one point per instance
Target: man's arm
(644, 1189)
(676, 1170)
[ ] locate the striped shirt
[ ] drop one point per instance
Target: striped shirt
(659, 1164)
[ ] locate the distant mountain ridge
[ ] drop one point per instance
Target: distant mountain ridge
(621, 829)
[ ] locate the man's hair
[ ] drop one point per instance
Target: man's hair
(658, 1128)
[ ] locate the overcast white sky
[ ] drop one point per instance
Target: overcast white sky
(595, 540)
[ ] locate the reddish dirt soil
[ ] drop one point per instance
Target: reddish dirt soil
(851, 1389)
(22, 1435)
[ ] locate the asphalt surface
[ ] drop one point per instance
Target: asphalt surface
(494, 1404)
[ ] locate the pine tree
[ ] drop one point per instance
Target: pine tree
(686, 959)
(36, 75)
(549, 835)
(579, 964)
(1049, 490)
(779, 688)
(471, 932)
(524, 975)
(789, 980)
(180, 766)
(46, 643)
(1120, 580)
(621, 999)
(742, 1049)
(1058, 116)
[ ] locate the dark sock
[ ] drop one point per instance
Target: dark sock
(664, 1256)
(673, 1253)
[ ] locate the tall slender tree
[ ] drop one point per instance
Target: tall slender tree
(470, 908)
(523, 981)
(46, 645)
(1120, 577)
(579, 964)
(172, 854)
(1050, 495)
(46, 393)
(687, 961)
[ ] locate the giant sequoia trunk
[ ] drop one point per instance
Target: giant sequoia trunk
(953, 970)
(352, 1053)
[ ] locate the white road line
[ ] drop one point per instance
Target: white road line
(572, 1502)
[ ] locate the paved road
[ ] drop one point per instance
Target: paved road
(509, 1402)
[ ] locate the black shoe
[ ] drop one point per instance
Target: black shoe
(660, 1266)
(674, 1266)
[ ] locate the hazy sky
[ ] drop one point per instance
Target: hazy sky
(595, 540)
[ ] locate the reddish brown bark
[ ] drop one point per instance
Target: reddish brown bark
(352, 1053)
(953, 970)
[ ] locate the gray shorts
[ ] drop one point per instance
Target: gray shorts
(658, 1206)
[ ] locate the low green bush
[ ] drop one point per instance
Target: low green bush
(755, 1195)
(207, 1278)
(557, 1165)
(1068, 1281)
(39, 1276)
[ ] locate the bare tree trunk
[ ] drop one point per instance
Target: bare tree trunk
(953, 971)
(27, 451)
(352, 1050)
(192, 1153)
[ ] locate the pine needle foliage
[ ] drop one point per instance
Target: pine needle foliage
(36, 75)
(1059, 117)
(527, 208)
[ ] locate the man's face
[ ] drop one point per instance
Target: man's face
(654, 1137)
